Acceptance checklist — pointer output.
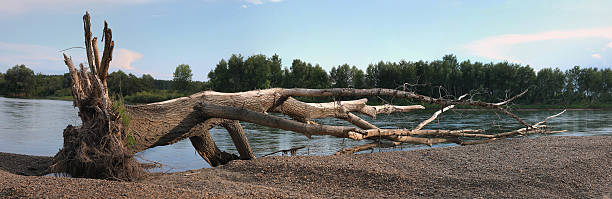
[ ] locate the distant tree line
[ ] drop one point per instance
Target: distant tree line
(20, 81)
(259, 72)
(446, 77)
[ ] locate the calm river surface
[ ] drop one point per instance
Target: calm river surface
(35, 127)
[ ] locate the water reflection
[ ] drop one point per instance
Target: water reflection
(35, 127)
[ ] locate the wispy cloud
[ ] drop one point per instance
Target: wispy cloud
(610, 45)
(596, 56)
(259, 2)
(494, 47)
(23, 6)
(45, 58)
(29, 54)
(123, 59)
(256, 2)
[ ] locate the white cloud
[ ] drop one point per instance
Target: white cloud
(123, 59)
(22, 6)
(244, 6)
(494, 47)
(610, 45)
(596, 56)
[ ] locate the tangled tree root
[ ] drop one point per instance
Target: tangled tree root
(97, 148)
(84, 155)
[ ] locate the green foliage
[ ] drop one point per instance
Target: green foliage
(133, 89)
(2, 83)
(261, 72)
(50, 85)
(276, 72)
(117, 82)
(182, 78)
(358, 78)
(257, 73)
(304, 75)
(147, 82)
(130, 139)
(220, 76)
(549, 86)
(341, 77)
(20, 81)
(237, 74)
(347, 77)
(119, 107)
(128, 84)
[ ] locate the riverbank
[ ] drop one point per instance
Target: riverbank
(549, 167)
(60, 98)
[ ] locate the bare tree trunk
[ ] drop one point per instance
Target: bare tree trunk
(103, 147)
(239, 138)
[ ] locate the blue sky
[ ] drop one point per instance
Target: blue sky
(154, 36)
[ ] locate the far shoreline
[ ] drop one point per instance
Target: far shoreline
(528, 107)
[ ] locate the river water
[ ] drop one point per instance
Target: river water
(35, 127)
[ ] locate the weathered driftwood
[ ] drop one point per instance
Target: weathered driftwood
(364, 147)
(292, 151)
(104, 145)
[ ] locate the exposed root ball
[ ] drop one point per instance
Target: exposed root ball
(91, 156)
(96, 149)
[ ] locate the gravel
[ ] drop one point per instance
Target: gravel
(545, 167)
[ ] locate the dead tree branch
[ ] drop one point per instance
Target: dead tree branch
(104, 145)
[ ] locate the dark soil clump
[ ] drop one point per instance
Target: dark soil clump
(24, 164)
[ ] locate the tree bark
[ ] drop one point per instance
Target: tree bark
(103, 147)
(239, 138)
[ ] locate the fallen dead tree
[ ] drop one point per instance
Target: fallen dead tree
(104, 145)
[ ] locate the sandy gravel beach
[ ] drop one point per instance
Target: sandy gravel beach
(545, 167)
